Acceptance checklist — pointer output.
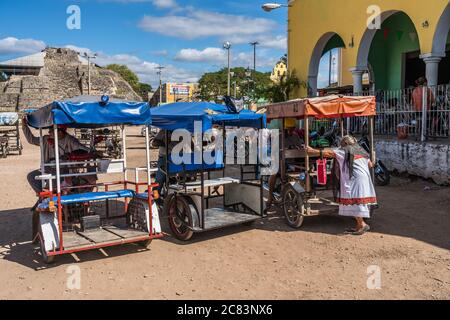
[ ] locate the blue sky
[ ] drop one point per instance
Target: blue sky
(186, 36)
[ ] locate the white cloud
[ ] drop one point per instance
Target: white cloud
(12, 45)
(206, 55)
(219, 56)
(162, 53)
(165, 3)
(276, 42)
(145, 70)
(199, 23)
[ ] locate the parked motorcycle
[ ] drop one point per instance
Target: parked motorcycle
(382, 175)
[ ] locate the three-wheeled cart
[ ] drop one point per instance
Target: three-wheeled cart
(76, 212)
(299, 172)
(205, 195)
(9, 134)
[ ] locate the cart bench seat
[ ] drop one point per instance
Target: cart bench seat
(88, 196)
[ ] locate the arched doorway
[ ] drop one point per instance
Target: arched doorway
(441, 46)
(325, 45)
(393, 52)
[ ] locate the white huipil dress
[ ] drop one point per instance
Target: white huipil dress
(357, 193)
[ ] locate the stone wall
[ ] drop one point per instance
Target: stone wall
(427, 160)
(63, 76)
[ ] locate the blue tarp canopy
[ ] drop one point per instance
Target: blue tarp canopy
(88, 112)
(182, 115)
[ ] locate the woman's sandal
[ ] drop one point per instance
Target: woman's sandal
(360, 232)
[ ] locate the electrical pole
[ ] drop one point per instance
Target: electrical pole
(159, 73)
(330, 66)
(254, 44)
(227, 46)
(88, 57)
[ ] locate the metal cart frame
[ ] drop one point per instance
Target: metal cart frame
(140, 212)
(298, 189)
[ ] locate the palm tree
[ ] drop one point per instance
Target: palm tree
(281, 91)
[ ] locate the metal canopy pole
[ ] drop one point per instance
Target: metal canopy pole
(41, 144)
(308, 182)
(58, 188)
(283, 155)
(149, 182)
(372, 144)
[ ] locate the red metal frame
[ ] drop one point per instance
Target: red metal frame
(104, 245)
(49, 194)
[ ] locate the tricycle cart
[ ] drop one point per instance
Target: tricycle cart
(299, 178)
(202, 196)
(80, 213)
(9, 134)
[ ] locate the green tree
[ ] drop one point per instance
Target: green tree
(214, 84)
(142, 89)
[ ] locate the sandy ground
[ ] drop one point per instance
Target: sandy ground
(410, 244)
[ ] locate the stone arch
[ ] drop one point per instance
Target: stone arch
(441, 33)
(368, 40)
(314, 61)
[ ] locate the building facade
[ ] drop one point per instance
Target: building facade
(174, 92)
(391, 42)
(278, 71)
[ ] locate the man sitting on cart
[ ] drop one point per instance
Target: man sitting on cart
(66, 143)
(292, 140)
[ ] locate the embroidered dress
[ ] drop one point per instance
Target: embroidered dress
(356, 193)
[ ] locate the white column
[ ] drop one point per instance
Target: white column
(312, 82)
(357, 80)
(432, 67)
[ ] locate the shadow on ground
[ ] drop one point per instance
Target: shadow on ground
(16, 246)
(403, 212)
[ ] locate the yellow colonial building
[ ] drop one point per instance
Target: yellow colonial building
(393, 41)
(174, 92)
(278, 71)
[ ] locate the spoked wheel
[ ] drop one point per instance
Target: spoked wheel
(47, 259)
(293, 207)
(180, 217)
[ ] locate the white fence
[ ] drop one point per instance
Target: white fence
(422, 112)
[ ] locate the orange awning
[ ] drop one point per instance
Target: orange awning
(324, 107)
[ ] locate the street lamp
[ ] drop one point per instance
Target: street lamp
(159, 73)
(89, 57)
(268, 7)
(273, 6)
(248, 75)
(227, 46)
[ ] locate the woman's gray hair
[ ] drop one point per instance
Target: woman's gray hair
(348, 141)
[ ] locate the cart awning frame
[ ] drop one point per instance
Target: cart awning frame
(182, 115)
(323, 107)
(89, 112)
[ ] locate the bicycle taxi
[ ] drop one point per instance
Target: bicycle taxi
(307, 182)
(203, 195)
(75, 212)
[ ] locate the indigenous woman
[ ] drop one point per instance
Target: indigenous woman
(356, 193)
